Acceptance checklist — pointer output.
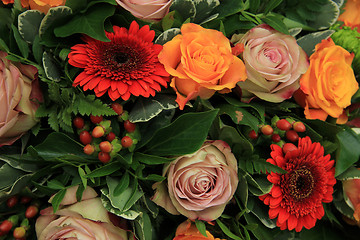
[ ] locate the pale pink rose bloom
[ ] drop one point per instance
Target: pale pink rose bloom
(151, 10)
(274, 63)
(199, 185)
(87, 219)
(19, 99)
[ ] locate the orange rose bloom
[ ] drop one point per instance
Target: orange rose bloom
(188, 231)
(328, 84)
(201, 63)
(45, 5)
(351, 16)
(24, 3)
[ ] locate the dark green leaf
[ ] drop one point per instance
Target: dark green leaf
(90, 23)
(151, 159)
(23, 46)
(350, 173)
(349, 150)
(50, 67)
(89, 104)
(308, 42)
(186, 8)
(37, 49)
(123, 184)
(185, 135)
(57, 199)
(240, 115)
(271, 5)
(3, 46)
(203, 9)
(276, 23)
(29, 24)
(55, 184)
(167, 36)
(227, 231)
(104, 170)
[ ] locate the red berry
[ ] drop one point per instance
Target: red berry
(267, 130)
(19, 232)
(31, 211)
(105, 146)
(12, 201)
(117, 107)
(89, 149)
(25, 199)
(253, 134)
(98, 132)
(111, 136)
(275, 137)
(129, 126)
(299, 127)
(288, 147)
(292, 136)
(283, 124)
(6, 226)
(85, 137)
(96, 119)
(126, 141)
(78, 122)
(104, 157)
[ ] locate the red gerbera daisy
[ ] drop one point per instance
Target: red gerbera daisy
(127, 65)
(296, 197)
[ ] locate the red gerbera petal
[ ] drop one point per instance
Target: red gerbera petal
(296, 197)
(127, 65)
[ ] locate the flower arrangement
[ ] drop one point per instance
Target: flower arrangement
(179, 119)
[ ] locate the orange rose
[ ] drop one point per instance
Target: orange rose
(45, 5)
(188, 231)
(201, 63)
(24, 3)
(328, 84)
(351, 16)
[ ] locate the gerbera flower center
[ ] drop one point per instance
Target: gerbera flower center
(301, 183)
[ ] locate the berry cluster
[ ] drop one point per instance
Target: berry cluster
(279, 129)
(98, 137)
(26, 209)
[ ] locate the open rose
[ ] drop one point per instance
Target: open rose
(352, 191)
(274, 63)
(329, 83)
(153, 10)
(201, 63)
(199, 185)
(87, 219)
(188, 231)
(19, 97)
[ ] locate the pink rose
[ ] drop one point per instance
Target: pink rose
(151, 10)
(352, 191)
(274, 63)
(199, 185)
(19, 97)
(87, 219)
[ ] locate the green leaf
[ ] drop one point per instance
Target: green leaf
(16, 187)
(58, 145)
(167, 35)
(147, 108)
(348, 152)
(239, 115)
(271, 5)
(308, 42)
(200, 225)
(57, 199)
(350, 173)
(23, 46)
(82, 176)
(37, 49)
(55, 17)
(230, 7)
(8, 175)
(143, 227)
(3, 46)
(76, 5)
(151, 159)
(89, 104)
(254, 5)
(29, 24)
(55, 184)
(258, 184)
(124, 183)
(276, 23)
(50, 67)
(260, 210)
(185, 135)
(186, 8)
(104, 170)
(129, 215)
(90, 23)
(227, 231)
(204, 8)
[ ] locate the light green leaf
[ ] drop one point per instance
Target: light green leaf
(29, 24)
(57, 199)
(185, 135)
(167, 35)
(200, 225)
(123, 184)
(308, 42)
(129, 215)
(90, 23)
(143, 227)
